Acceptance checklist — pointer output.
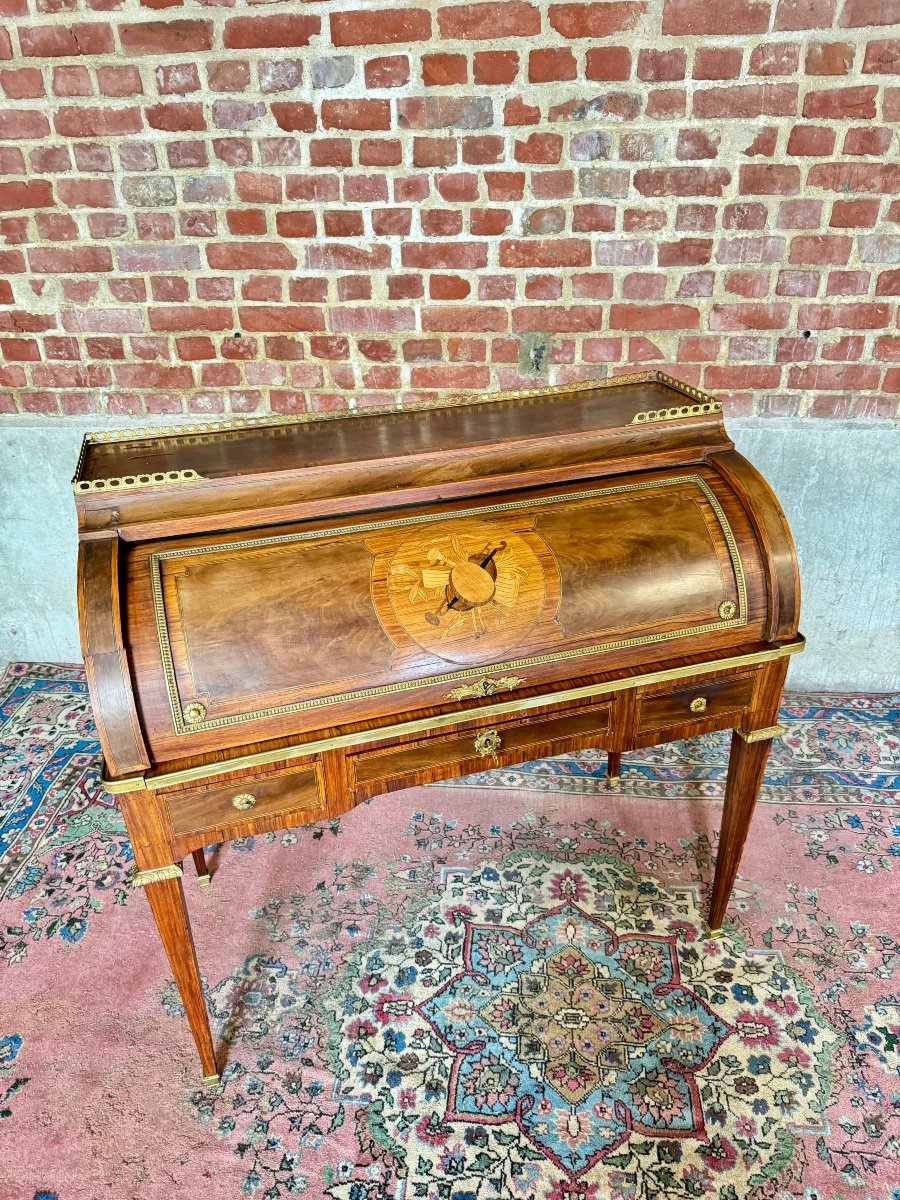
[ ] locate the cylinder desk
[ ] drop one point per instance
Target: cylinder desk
(281, 617)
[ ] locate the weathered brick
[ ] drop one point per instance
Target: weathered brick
(381, 27)
(269, 32)
(164, 37)
(681, 181)
(855, 103)
(503, 19)
(356, 114)
(695, 17)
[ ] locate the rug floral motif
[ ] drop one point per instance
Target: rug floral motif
(495, 988)
(544, 1014)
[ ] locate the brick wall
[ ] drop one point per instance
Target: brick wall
(236, 207)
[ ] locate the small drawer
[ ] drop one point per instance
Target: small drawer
(702, 700)
(247, 802)
(462, 753)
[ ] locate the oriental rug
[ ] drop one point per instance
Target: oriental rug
(499, 987)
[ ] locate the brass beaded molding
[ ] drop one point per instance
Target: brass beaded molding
(706, 404)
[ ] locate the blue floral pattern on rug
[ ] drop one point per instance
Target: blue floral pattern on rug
(539, 1012)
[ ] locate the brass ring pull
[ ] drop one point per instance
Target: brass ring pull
(243, 801)
(488, 742)
(698, 704)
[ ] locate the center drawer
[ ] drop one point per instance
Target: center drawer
(430, 759)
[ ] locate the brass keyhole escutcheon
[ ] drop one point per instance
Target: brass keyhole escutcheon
(698, 704)
(243, 801)
(488, 742)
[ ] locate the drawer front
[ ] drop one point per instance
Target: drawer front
(698, 701)
(440, 757)
(247, 802)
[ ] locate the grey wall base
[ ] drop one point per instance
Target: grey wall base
(838, 482)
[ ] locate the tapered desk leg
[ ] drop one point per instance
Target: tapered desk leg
(745, 773)
(613, 767)
(202, 869)
(166, 899)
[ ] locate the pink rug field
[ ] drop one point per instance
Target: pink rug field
(494, 988)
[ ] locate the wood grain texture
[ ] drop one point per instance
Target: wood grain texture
(319, 598)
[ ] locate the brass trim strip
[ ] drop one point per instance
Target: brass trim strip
(145, 433)
(305, 749)
(156, 874)
(651, 415)
(486, 687)
(182, 725)
(762, 735)
(126, 483)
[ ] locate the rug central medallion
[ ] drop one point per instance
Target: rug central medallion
(556, 1030)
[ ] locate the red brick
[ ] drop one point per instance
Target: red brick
(848, 283)
(855, 177)
(856, 13)
(557, 318)
(716, 63)
(386, 26)
(86, 193)
(271, 318)
(697, 144)
(659, 66)
(845, 378)
(848, 214)
(795, 15)
(545, 66)
(888, 349)
(58, 41)
(443, 70)
(769, 180)
(97, 122)
(595, 20)
(821, 248)
(749, 316)
(829, 58)
(296, 224)
(24, 84)
(853, 103)
(867, 140)
(736, 378)
(684, 253)
(505, 185)
(695, 17)
(269, 32)
(355, 114)
(460, 256)
(882, 58)
(336, 256)
(435, 152)
(56, 227)
(608, 62)
(388, 72)
(546, 252)
(35, 193)
(495, 66)
(176, 118)
(464, 318)
(23, 123)
(294, 116)
(747, 100)
(517, 112)
(368, 319)
(504, 19)
(443, 376)
(119, 81)
(797, 283)
(653, 316)
(775, 58)
(343, 224)
(681, 181)
(165, 37)
(180, 317)
(667, 102)
(815, 140)
(539, 148)
(71, 81)
(313, 187)
(482, 149)
(844, 316)
(228, 76)
(73, 261)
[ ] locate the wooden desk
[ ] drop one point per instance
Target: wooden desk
(281, 618)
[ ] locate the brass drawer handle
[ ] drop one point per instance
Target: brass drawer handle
(243, 801)
(698, 704)
(488, 742)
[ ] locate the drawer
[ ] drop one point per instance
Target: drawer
(439, 757)
(242, 806)
(702, 700)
